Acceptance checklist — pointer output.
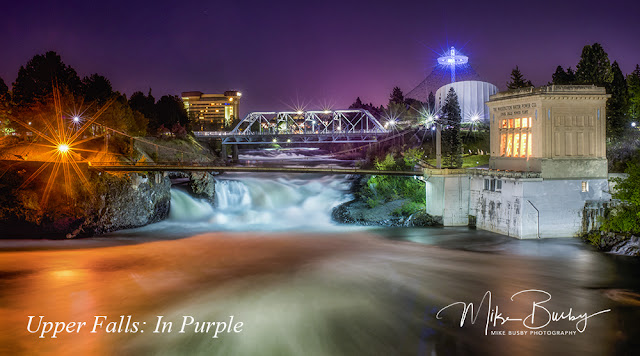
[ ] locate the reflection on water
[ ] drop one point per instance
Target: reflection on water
(319, 295)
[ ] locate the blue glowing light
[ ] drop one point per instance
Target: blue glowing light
(451, 60)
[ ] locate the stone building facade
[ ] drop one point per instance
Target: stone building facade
(548, 161)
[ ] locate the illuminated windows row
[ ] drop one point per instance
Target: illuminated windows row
(524, 123)
(515, 145)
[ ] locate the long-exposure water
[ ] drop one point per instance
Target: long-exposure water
(267, 253)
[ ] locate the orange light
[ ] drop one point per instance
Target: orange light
(64, 148)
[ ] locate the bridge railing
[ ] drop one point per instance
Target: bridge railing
(279, 132)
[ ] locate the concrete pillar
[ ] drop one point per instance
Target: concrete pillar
(438, 146)
(234, 153)
(223, 152)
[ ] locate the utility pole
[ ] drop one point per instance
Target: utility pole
(438, 146)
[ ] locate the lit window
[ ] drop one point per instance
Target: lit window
(509, 144)
(516, 123)
(516, 145)
(529, 146)
(523, 145)
(510, 123)
(525, 122)
(504, 124)
(585, 187)
(503, 143)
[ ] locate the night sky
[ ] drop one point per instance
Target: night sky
(284, 53)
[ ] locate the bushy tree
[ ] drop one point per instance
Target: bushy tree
(560, 77)
(626, 217)
(120, 116)
(594, 66)
(450, 120)
(96, 88)
(396, 97)
(431, 101)
(37, 79)
(618, 104)
(633, 85)
(377, 112)
(518, 80)
(145, 104)
(171, 112)
(3, 88)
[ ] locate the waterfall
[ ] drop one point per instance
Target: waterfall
(186, 208)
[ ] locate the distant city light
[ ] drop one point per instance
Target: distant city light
(239, 94)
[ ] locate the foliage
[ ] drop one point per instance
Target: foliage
(431, 102)
(377, 112)
(170, 112)
(633, 85)
(3, 88)
(617, 105)
(396, 97)
(147, 106)
(121, 117)
(450, 121)
(626, 217)
(383, 188)
(97, 88)
(594, 66)
(517, 80)
(36, 80)
(560, 77)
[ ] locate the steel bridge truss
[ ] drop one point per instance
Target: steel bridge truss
(337, 126)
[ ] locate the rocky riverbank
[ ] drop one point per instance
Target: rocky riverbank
(70, 209)
(614, 243)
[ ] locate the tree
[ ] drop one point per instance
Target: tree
(517, 80)
(633, 84)
(97, 88)
(3, 88)
(396, 97)
(594, 66)
(36, 80)
(120, 116)
(145, 105)
(450, 121)
(626, 216)
(560, 77)
(171, 112)
(618, 104)
(431, 101)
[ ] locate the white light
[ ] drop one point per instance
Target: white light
(274, 140)
(288, 140)
(475, 118)
(327, 111)
(76, 119)
(433, 128)
(633, 124)
(299, 112)
(29, 122)
(63, 148)
(239, 94)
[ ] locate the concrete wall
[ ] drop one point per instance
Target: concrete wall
(528, 208)
(448, 199)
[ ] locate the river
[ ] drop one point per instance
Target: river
(268, 255)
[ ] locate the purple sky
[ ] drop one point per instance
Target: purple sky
(281, 53)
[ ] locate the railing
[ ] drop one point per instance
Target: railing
(283, 133)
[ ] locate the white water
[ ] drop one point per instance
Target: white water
(267, 203)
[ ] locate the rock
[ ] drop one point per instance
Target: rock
(203, 185)
(359, 213)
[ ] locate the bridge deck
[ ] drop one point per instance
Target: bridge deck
(300, 169)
